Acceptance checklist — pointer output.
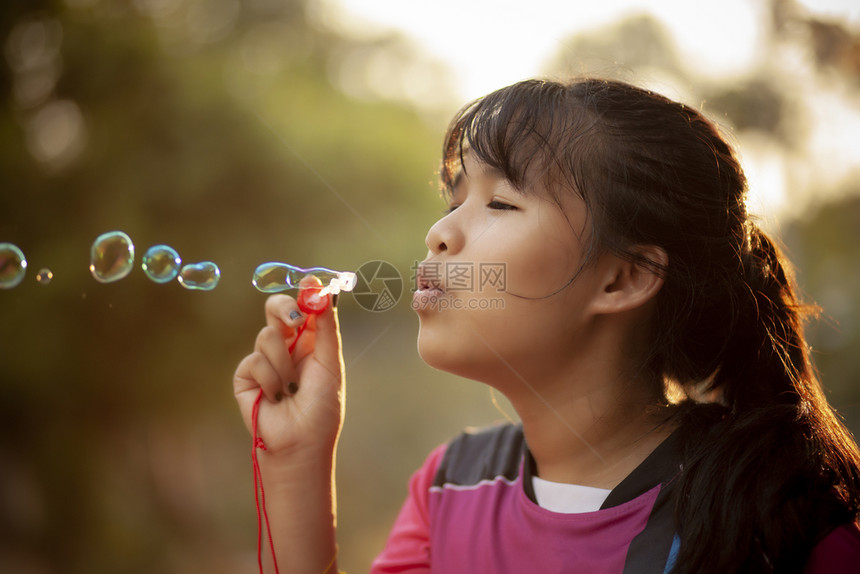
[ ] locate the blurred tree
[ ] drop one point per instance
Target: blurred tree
(832, 43)
(213, 126)
(824, 246)
(836, 46)
(754, 104)
(638, 42)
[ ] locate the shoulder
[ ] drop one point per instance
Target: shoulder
(482, 454)
(836, 553)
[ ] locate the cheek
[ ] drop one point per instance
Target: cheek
(542, 271)
(543, 257)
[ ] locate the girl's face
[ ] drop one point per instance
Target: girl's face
(494, 296)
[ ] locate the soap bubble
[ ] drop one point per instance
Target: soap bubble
(44, 276)
(203, 276)
(161, 263)
(13, 266)
(274, 277)
(111, 257)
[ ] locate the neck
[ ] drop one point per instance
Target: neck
(578, 445)
(590, 426)
(590, 412)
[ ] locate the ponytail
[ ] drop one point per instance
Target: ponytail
(766, 347)
(772, 469)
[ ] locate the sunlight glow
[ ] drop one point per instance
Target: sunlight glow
(490, 43)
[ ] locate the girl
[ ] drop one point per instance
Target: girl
(650, 341)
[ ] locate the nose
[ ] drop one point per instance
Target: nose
(445, 235)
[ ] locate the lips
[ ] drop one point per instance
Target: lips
(427, 280)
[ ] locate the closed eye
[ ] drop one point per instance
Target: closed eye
(498, 205)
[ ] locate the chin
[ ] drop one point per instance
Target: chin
(430, 348)
(440, 352)
(450, 354)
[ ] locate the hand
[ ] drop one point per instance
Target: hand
(303, 392)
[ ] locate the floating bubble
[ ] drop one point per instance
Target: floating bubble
(44, 276)
(274, 277)
(203, 276)
(111, 257)
(13, 266)
(161, 263)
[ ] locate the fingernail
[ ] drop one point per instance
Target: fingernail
(295, 315)
(293, 388)
(334, 299)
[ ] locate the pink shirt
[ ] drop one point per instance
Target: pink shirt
(489, 524)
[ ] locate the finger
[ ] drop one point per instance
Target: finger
(246, 389)
(243, 380)
(275, 348)
(283, 312)
(310, 281)
(261, 372)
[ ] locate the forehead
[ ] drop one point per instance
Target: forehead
(472, 166)
(534, 185)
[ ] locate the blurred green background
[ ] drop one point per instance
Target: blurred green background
(244, 131)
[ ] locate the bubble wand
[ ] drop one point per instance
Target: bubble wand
(275, 277)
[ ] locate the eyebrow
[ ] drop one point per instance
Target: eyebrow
(483, 167)
(493, 171)
(487, 170)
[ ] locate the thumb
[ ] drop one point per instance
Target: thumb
(328, 342)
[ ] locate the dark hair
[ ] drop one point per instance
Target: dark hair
(768, 466)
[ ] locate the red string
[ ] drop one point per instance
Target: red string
(298, 334)
(259, 491)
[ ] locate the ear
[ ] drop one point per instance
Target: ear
(625, 284)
